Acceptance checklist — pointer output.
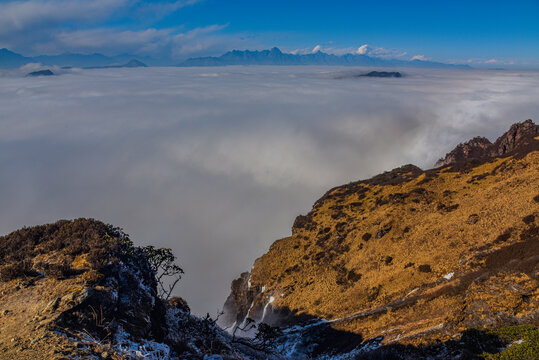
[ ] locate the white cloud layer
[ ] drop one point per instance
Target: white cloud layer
(216, 163)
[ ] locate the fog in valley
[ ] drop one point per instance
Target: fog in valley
(217, 162)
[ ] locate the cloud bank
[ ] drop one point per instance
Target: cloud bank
(217, 162)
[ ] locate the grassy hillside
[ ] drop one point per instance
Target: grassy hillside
(413, 255)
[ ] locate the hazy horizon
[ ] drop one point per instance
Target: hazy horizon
(217, 162)
(478, 33)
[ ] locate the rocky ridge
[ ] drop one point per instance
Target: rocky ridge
(410, 257)
(479, 148)
(81, 290)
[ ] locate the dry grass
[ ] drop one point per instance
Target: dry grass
(441, 220)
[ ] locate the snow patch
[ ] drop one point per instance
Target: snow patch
(271, 299)
(411, 292)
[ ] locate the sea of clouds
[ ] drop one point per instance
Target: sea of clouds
(217, 162)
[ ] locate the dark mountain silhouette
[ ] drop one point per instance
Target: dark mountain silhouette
(10, 59)
(133, 63)
(275, 56)
(46, 72)
(395, 74)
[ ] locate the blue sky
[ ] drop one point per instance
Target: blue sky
(486, 33)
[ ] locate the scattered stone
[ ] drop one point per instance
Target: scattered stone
(53, 305)
(449, 276)
(472, 219)
(384, 230)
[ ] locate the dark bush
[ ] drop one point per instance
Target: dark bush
(503, 237)
(179, 303)
(66, 239)
(266, 336)
(58, 270)
(353, 276)
(70, 237)
(528, 219)
(424, 268)
(16, 270)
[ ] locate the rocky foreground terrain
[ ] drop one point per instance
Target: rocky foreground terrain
(410, 264)
(81, 290)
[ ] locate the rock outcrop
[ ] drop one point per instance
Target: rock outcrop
(81, 290)
(411, 257)
(518, 138)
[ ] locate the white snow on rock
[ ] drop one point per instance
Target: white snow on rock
(449, 276)
(411, 292)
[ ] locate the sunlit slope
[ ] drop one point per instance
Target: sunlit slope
(411, 255)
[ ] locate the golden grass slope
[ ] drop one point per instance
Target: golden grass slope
(415, 255)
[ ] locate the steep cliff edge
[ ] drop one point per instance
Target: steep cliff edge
(411, 256)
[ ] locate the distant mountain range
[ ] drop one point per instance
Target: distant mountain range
(130, 64)
(10, 59)
(275, 56)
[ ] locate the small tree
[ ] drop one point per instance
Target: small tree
(248, 324)
(208, 331)
(162, 262)
(266, 336)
